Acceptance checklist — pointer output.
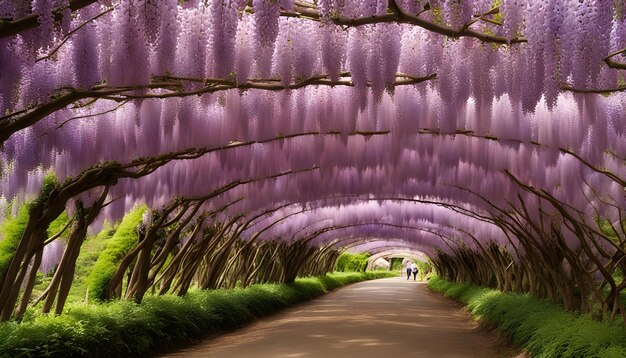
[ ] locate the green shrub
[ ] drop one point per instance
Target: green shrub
(123, 328)
(124, 239)
(11, 231)
(352, 262)
(544, 329)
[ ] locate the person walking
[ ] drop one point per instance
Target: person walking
(408, 271)
(414, 269)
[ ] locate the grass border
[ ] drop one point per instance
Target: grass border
(123, 328)
(542, 328)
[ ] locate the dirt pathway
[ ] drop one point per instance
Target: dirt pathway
(382, 318)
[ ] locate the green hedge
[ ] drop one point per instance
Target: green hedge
(352, 262)
(544, 329)
(124, 239)
(122, 328)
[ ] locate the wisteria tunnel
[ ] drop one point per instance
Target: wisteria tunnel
(155, 148)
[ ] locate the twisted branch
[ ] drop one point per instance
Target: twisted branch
(173, 87)
(14, 27)
(396, 14)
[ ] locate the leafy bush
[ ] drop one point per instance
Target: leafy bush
(124, 239)
(352, 262)
(122, 328)
(11, 231)
(544, 329)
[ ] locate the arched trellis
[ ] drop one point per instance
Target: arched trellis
(502, 260)
(550, 227)
(394, 253)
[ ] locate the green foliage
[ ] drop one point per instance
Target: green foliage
(123, 328)
(58, 224)
(89, 253)
(124, 239)
(11, 230)
(352, 262)
(499, 16)
(544, 329)
(48, 185)
(423, 266)
(425, 270)
(396, 263)
(607, 229)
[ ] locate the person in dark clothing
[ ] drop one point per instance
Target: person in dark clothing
(408, 271)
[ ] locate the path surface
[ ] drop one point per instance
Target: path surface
(382, 318)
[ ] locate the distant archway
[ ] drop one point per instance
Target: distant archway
(416, 255)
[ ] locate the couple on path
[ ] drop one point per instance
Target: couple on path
(411, 268)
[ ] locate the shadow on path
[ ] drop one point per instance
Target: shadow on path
(381, 318)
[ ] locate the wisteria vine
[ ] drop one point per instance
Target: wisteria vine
(486, 135)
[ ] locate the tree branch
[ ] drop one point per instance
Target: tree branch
(570, 88)
(609, 174)
(69, 34)
(397, 15)
(471, 134)
(14, 27)
(614, 64)
(23, 118)
(92, 115)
